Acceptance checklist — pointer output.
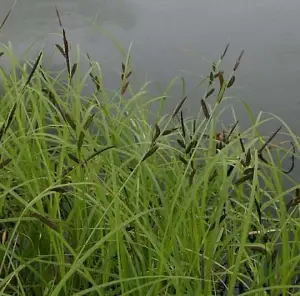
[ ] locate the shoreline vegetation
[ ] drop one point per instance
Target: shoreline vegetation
(96, 201)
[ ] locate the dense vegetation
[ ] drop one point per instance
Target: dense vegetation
(95, 200)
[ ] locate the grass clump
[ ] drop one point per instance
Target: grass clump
(95, 200)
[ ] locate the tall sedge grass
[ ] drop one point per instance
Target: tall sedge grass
(95, 200)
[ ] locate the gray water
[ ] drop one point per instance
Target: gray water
(177, 38)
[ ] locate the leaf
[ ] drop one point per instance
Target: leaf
(69, 120)
(293, 160)
(181, 143)
(4, 237)
(74, 67)
(46, 221)
(238, 61)
(258, 210)
(221, 78)
(231, 131)
(74, 158)
(169, 131)
(248, 157)
(244, 179)
(225, 51)
(261, 248)
(33, 70)
(242, 144)
(211, 78)
(231, 82)
(99, 152)
(58, 16)
(209, 93)
(192, 145)
(183, 160)
(205, 109)
(230, 169)
(214, 67)
(150, 152)
(222, 218)
(5, 19)
(10, 117)
(194, 126)
(191, 178)
(128, 74)
(67, 171)
(96, 81)
(269, 140)
(249, 171)
(1, 54)
(80, 141)
(88, 122)
(295, 201)
(156, 134)
(124, 88)
(61, 50)
(183, 86)
(66, 46)
(60, 189)
(5, 163)
(177, 109)
(182, 124)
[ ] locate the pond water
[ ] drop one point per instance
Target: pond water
(177, 38)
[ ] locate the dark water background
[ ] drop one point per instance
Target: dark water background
(177, 38)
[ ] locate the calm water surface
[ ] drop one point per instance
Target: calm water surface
(177, 38)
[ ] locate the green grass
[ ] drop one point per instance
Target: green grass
(95, 200)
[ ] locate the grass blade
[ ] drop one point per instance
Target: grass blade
(74, 158)
(181, 143)
(156, 134)
(244, 179)
(46, 221)
(6, 124)
(209, 93)
(124, 88)
(269, 140)
(5, 163)
(69, 120)
(150, 152)
(205, 109)
(231, 82)
(225, 51)
(238, 61)
(191, 146)
(182, 124)
(169, 131)
(6, 17)
(61, 50)
(73, 70)
(33, 69)
(183, 160)
(95, 154)
(177, 109)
